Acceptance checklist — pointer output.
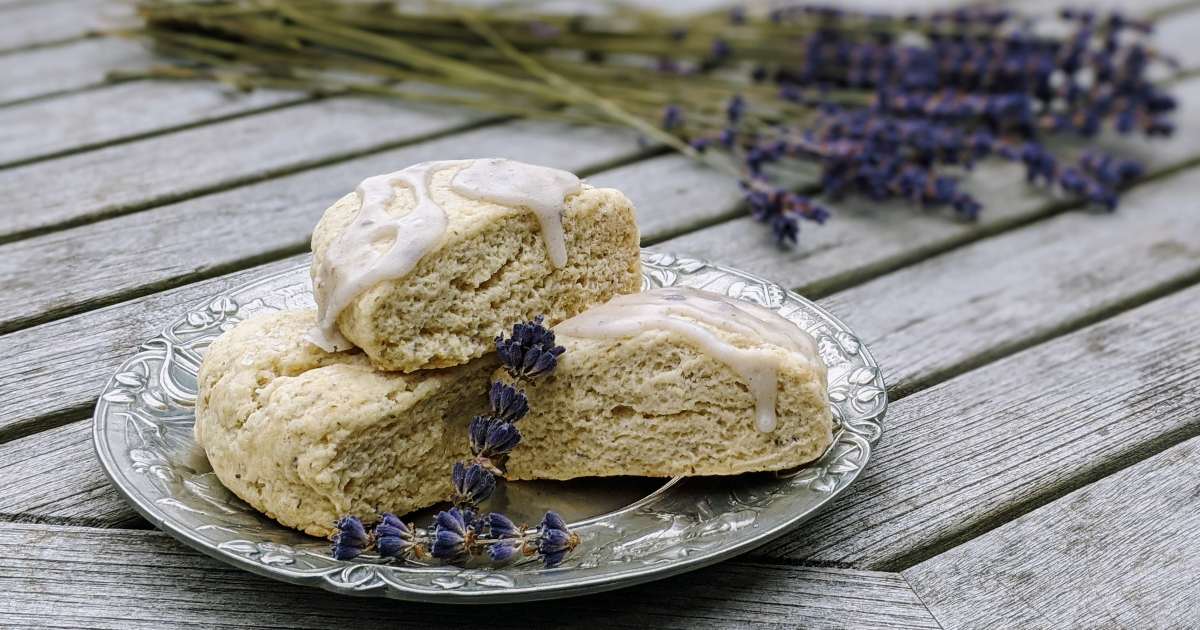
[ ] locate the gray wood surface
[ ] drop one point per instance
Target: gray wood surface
(99, 262)
(55, 371)
(1035, 357)
(67, 67)
(53, 21)
(949, 313)
(1120, 553)
(76, 122)
(161, 169)
(968, 454)
(59, 577)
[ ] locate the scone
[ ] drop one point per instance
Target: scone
(675, 382)
(422, 267)
(307, 436)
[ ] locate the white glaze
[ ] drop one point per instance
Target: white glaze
(377, 246)
(509, 183)
(683, 311)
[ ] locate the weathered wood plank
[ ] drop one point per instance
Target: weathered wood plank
(968, 454)
(86, 120)
(165, 168)
(865, 239)
(73, 269)
(81, 497)
(58, 577)
(950, 312)
(673, 195)
(1119, 553)
(67, 67)
(52, 21)
(55, 371)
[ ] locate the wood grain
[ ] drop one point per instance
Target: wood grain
(54, 372)
(58, 577)
(950, 312)
(968, 454)
(67, 67)
(673, 195)
(53, 21)
(1120, 553)
(162, 169)
(95, 263)
(85, 120)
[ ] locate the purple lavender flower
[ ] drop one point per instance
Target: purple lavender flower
(473, 483)
(555, 540)
(672, 117)
(492, 439)
(395, 539)
(530, 352)
(350, 539)
(507, 541)
(508, 403)
(504, 550)
(453, 534)
(500, 526)
(735, 109)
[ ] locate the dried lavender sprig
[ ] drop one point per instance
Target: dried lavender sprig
(462, 534)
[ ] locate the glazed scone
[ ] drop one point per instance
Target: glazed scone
(307, 436)
(421, 268)
(657, 388)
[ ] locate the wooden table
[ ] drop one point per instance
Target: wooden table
(1040, 462)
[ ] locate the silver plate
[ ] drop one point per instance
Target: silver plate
(143, 436)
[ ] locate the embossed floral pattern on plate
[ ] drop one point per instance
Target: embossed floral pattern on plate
(143, 437)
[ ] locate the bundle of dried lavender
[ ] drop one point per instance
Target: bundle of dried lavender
(887, 106)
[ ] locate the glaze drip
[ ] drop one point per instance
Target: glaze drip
(377, 246)
(683, 311)
(540, 189)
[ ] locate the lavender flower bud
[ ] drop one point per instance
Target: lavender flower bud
(530, 352)
(394, 538)
(555, 540)
(350, 539)
(504, 550)
(508, 403)
(473, 483)
(500, 526)
(492, 438)
(453, 534)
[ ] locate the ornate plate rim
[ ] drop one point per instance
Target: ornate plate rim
(867, 426)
